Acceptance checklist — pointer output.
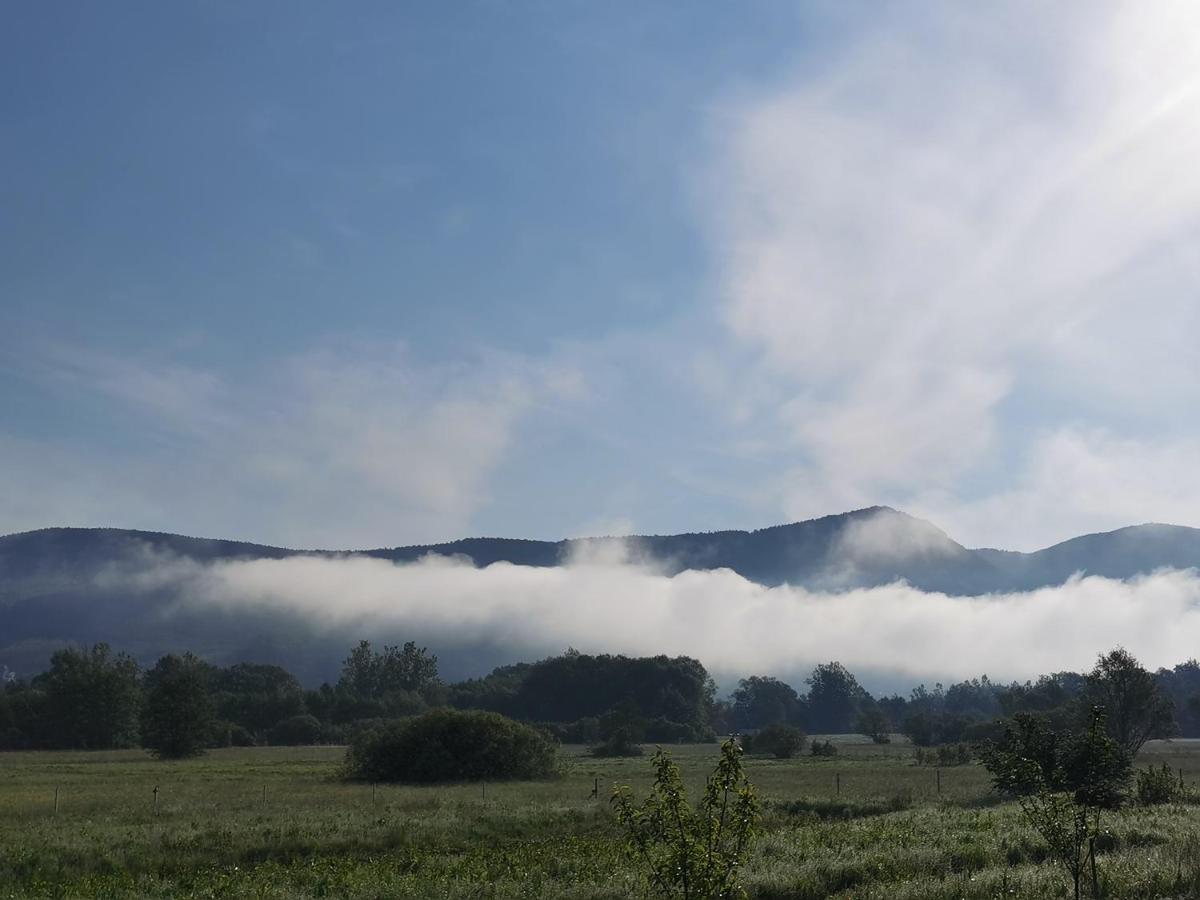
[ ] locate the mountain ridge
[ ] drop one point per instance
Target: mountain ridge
(54, 587)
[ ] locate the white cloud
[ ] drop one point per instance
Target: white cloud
(732, 625)
(1075, 481)
(973, 213)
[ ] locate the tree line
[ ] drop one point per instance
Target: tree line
(97, 698)
(1139, 705)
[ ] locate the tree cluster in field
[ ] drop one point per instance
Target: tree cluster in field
(587, 699)
(100, 699)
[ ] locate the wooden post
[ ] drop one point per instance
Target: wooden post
(838, 781)
(485, 790)
(264, 800)
(156, 799)
(939, 780)
(56, 800)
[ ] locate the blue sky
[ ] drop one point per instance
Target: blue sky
(320, 276)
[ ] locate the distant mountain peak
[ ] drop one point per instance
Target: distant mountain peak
(52, 588)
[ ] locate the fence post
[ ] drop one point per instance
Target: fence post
(56, 800)
(156, 799)
(838, 781)
(939, 780)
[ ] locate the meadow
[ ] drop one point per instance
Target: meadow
(281, 823)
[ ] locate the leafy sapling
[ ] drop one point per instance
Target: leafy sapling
(687, 852)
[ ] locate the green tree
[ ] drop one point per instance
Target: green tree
(373, 675)
(761, 700)
(692, 852)
(296, 731)
(834, 698)
(256, 696)
(92, 699)
(178, 717)
(1064, 781)
(1135, 708)
(873, 722)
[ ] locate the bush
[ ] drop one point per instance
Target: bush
(1156, 786)
(622, 742)
(825, 748)
(448, 745)
(296, 731)
(241, 737)
(664, 731)
(686, 851)
(780, 741)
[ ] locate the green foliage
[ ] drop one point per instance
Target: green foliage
(1135, 707)
(1063, 781)
(296, 731)
(240, 736)
(447, 745)
(1157, 785)
(780, 741)
(621, 741)
(834, 699)
(22, 716)
(673, 695)
(581, 731)
(760, 701)
(692, 852)
(92, 699)
(177, 720)
(371, 675)
(823, 748)
(256, 696)
(874, 723)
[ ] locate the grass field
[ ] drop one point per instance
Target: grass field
(279, 823)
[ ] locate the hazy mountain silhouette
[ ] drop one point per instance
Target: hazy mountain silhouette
(53, 587)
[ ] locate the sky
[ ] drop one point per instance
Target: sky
(328, 276)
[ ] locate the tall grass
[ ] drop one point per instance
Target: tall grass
(887, 834)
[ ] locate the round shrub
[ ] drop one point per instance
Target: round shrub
(780, 741)
(622, 742)
(1156, 785)
(295, 731)
(449, 745)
